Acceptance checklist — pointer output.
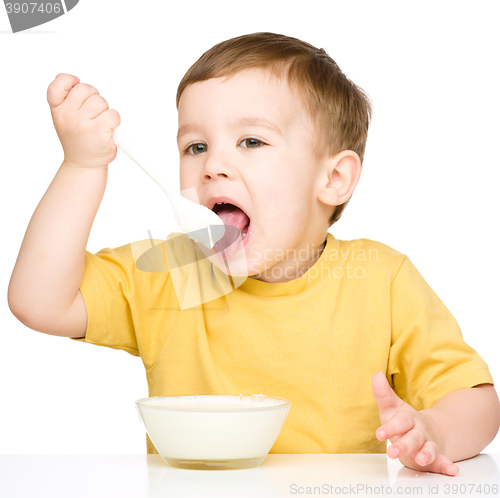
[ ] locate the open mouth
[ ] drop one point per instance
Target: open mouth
(232, 215)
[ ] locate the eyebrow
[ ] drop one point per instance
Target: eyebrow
(187, 128)
(262, 122)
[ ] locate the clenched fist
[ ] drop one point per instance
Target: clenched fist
(84, 122)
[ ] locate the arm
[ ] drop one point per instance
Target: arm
(468, 420)
(44, 286)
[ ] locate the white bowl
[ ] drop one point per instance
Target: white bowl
(213, 432)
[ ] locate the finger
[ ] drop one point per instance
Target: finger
(384, 395)
(429, 459)
(58, 90)
(409, 444)
(398, 425)
(93, 107)
(443, 465)
(78, 95)
(427, 454)
(109, 119)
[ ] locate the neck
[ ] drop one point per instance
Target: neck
(295, 267)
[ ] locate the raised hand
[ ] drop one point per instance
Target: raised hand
(83, 121)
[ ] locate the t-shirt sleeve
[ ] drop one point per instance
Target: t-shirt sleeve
(109, 283)
(428, 356)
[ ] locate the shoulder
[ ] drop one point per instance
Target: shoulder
(145, 254)
(372, 253)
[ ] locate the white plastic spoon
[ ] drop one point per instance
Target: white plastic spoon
(192, 218)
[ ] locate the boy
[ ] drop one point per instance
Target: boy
(271, 125)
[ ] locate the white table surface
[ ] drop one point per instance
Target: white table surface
(124, 476)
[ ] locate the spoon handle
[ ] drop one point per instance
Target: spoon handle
(124, 145)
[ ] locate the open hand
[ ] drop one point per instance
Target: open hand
(417, 441)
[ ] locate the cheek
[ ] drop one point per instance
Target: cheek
(281, 193)
(279, 211)
(185, 178)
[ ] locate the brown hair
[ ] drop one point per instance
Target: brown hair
(340, 109)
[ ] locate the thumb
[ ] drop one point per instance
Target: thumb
(384, 396)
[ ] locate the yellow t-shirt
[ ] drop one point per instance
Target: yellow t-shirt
(317, 340)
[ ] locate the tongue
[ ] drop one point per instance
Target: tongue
(234, 216)
(231, 216)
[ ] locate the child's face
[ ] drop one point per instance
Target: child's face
(249, 138)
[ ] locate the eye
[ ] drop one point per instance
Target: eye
(251, 143)
(196, 149)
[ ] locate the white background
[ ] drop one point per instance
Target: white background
(428, 188)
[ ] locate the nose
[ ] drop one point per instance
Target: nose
(216, 165)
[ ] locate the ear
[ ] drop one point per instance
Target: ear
(342, 173)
